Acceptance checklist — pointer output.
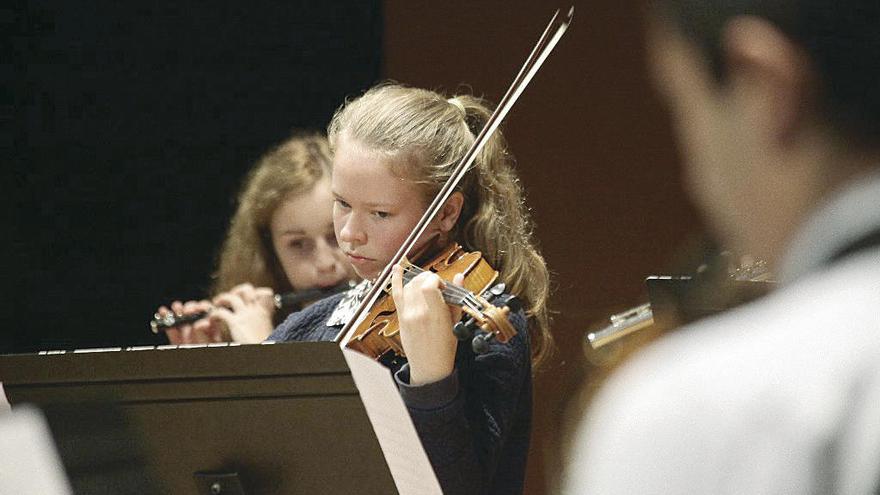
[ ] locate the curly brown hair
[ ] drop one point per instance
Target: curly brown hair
(438, 132)
(290, 169)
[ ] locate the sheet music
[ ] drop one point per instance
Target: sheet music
(406, 458)
(28, 460)
(4, 402)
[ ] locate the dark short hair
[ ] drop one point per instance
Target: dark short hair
(841, 38)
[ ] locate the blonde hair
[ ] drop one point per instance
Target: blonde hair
(436, 132)
(288, 170)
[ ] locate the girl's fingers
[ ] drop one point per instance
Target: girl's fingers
(185, 334)
(245, 292)
(208, 331)
(221, 314)
(230, 300)
(173, 335)
(223, 321)
(265, 297)
(202, 326)
(191, 307)
(432, 280)
(456, 311)
(430, 284)
(397, 287)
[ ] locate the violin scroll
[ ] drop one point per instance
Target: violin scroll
(493, 322)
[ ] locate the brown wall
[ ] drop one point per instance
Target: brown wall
(595, 155)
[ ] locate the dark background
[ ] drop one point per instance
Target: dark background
(132, 128)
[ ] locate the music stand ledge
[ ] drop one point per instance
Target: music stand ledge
(281, 418)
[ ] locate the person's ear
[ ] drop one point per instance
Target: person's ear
(772, 72)
(450, 212)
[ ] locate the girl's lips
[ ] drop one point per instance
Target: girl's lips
(355, 259)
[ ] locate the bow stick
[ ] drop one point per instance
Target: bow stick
(548, 40)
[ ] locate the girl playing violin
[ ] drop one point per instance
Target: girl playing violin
(279, 240)
(394, 147)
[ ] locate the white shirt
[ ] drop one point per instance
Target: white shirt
(779, 396)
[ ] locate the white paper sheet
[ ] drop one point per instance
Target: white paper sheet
(4, 402)
(406, 458)
(28, 460)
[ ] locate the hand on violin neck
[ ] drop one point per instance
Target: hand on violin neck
(425, 325)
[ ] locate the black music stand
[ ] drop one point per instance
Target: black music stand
(259, 419)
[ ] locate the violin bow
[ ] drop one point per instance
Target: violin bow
(548, 40)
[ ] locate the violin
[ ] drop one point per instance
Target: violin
(291, 300)
(373, 328)
(485, 307)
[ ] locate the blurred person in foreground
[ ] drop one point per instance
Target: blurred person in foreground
(776, 104)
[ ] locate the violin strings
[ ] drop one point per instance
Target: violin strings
(462, 296)
(410, 272)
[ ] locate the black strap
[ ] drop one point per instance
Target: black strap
(868, 241)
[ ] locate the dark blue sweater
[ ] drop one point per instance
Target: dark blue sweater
(474, 424)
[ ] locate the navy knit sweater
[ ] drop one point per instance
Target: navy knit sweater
(474, 424)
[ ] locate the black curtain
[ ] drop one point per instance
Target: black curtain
(130, 127)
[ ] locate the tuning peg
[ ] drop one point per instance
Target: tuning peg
(511, 302)
(464, 330)
(480, 344)
(494, 291)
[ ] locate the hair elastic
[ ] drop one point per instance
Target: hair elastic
(457, 104)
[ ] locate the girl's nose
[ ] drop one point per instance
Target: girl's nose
(351, 231)
(326, 258)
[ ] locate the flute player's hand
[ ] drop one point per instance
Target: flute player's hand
(201, 331)
(246, 311)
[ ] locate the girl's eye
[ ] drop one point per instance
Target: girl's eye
(300, 245)
(381, 214)
(342, 203)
